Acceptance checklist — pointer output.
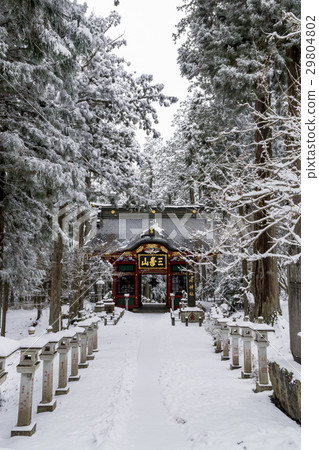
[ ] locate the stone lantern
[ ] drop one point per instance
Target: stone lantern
(246, 333)
(261, 340)
(74, 344)
(217, 332)
(29, 363)
(83, 364)
(224, 335)
(63, 350)
(95, 324)
(7, 347)
(100, 284)
(47, 356)
(109, 303)
(234, 334)
(99, 307)
(88, 325)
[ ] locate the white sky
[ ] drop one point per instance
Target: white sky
(148, 26)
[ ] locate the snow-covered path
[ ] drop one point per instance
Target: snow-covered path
(150, 426)
(153, 387)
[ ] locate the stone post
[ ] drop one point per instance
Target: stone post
(29, 363)
(216, 332)
(90, 332)
(172, 300)
(47, 356)
(224, 335)
(74, 344)
(83, 346)
(3, 374)
(261, 340)
(95, 338)
(63, 350)
(247, 337)
(126, 300)
(234, 333)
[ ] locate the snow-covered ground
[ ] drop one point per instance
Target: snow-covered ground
(152, 387)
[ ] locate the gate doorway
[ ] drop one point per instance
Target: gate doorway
(153, 289)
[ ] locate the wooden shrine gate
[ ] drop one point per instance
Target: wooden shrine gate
(151, 257)
(139, 243)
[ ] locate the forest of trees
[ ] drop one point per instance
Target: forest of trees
(70, 108)
(236, 149)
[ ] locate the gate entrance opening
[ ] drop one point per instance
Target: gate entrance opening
(153, 289)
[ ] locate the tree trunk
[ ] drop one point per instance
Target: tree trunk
(265, 286)
(56, 277)
(5, 302)
(76, 301)
(244, 267)
(294, 270)
(192, 195)
(2, 197)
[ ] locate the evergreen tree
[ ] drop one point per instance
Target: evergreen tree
(229, 49)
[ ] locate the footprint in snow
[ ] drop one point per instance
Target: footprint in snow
(180, 420)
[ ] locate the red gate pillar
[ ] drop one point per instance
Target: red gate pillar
(136, 285)
(169, 283)
(114, 283)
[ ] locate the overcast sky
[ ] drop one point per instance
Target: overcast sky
(148, 26)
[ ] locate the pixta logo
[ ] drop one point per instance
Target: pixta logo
(74, 224)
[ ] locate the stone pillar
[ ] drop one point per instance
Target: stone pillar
(95, 339)
(99, 307)
(3, 374)
(126, 301)
(90, 332)
(234, 333)
(63, 349)
(83, 345)
(172, 301)
(47, 356)
(74, 344)
(247, 337)
(224, 335)
(217, 332)
(191, 286)
(100, 285)
(29, 363)
(261, 340)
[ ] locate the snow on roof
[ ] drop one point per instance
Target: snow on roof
(41, 341)
(190, 308)
(8, 346)
(262, 327)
